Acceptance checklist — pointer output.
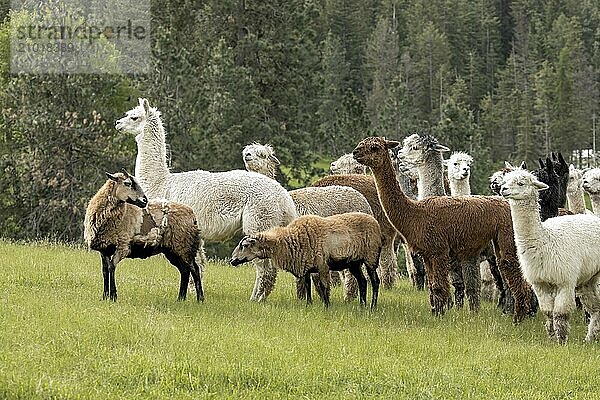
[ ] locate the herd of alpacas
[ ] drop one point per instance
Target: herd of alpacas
(520, 247)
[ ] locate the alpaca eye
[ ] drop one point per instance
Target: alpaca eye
(520, 183)
(127, 183)
(134, 118)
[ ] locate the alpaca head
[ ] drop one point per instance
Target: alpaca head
(374, 151)
(417, 149)
(561, 167)
(247, 249)
(575, 181)
(591, 181)
(521, 185)
(125, 189)
(497, 178)
(459, 166)
(346, 164)
(135, 119)
(260, 158)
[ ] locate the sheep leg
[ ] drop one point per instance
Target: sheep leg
(300, 288)
(308, 289)
(316, 280)
(120, 254)
(374, 278)
(472, 282)
(105, 275)
(436, 270)
(197, 277)
(356, 272)
(325, 286)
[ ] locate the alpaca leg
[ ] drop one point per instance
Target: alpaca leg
(472, 281)
(564, 304)
(521, 292)
(593, 326)
(410, 265)
(500, 286)
(420, 268)
(335, 277)
(589, 295)
(456, 279)
(545, 296)
(266, 275)
(388, 264)
(436, 270)
(350, 285)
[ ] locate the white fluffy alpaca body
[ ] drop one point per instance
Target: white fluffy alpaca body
(558, 256)
(224, 202)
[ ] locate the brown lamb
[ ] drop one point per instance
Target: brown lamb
(445, 228)
(365, 184)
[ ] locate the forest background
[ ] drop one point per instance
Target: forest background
(500, 79)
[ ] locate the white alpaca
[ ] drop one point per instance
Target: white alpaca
(425, 153)
(459, 173)
(260, 158)
(346, 164)
(224, 202)
(591, 184)
(575, 192)
(558, 257)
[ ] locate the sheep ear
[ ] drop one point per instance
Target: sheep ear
(390, 144)
(111, 177)
(540, 185)
(274, 159)
(441, 148)
(523, 165)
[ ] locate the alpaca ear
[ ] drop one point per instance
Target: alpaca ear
(508, 165)
(561, 159)
(124, 171)
(111, 177)
(146, 105)
(274, 159)
(390, 144)
(445, 162)
(571, 168)
(549, 166)
(540, 185)
(554, 158)
(541, 163)
(441, 148)
(523, 165)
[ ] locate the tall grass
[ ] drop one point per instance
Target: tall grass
(58, 339)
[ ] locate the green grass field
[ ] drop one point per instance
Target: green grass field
(59, 340)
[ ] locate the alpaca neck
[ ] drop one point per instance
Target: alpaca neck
(527, 223)
(406, 185)
(595, 200)
(576, 201)
(151, 162)
(393, 200)
(460, 187)
(431, 176)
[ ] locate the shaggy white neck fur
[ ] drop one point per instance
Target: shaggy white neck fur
(527, 223)
(151, 162)
(431, 176)
(460, 187)
(576, 201)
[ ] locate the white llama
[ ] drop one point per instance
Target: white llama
(559, 257)
(224, 202)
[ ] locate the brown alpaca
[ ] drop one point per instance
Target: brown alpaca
(365, 184)
(445, 228)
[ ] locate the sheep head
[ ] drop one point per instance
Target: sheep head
(249, 248)
(260, 158)
(521, 185)
(459, 166)
(373, 151)
(135, 119)
(125, 189)
(346, 164)
(416, 149)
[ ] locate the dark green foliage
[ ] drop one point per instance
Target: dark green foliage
(501, 79)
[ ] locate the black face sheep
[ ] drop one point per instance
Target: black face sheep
(118, 228)
(313, 244)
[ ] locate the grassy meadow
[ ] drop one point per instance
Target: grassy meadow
(59, 340)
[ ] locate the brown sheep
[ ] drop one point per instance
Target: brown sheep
(365, 184)
(313, 244)
(445, 228)
(117, 227)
